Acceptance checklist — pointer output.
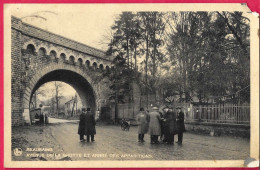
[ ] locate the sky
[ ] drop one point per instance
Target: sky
(80, 22)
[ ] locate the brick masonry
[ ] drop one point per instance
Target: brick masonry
(36, 52)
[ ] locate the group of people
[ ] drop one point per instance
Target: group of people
(165, 125)
(87, 125)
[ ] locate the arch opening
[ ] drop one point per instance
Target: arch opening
(42, 51)
(72, 60)
(53, 55)
(61, 98)
(30, 49)
(87, 63)
(63, 57)
(94, 66)
(76, 81)
(101, 67)
(80, 62)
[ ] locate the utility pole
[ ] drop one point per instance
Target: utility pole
(76, 100)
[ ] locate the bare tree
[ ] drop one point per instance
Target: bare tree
(35, 99)
(57, 91)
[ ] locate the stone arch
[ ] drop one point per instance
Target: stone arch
(80, 62)
(87, 63)
(30, 48)
(42, 47)
(50, 50)
(107, 67)
(94, 65)
(72, 59)
(69, 74)
(62, 52)
(63, 57)
(29, 42)
(53, 55)
(101, 66)
(42, 52)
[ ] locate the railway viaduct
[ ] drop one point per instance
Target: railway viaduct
(39, 56)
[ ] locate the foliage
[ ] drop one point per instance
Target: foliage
(121, 77)
(192, 55)
(207, 48)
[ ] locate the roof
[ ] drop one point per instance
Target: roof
(71, 100)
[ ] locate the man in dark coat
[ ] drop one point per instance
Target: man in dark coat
(41, 117)
(143, 122)
(82, 122)
(163, 126)
(90, 123)
(180, 125)
(170, 126)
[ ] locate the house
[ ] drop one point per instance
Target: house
(71, 107)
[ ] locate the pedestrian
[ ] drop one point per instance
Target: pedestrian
(82, 122)
(155, 125)
(90, 123)
(180, 125)
(170, 126)
(162, 137)
(143, 122)
(45, 113)
(41, 115)
(46, 118)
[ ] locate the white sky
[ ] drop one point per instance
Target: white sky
(79, 22)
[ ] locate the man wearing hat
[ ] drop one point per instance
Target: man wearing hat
(142, 119)
(90, 123)
(180, 124)
(154, 125)
(82, 121)
(170, 126)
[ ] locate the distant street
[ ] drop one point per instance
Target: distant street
(114, 144)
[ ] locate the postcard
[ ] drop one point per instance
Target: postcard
(131, 85)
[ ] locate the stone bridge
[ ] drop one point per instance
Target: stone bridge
(39, 56)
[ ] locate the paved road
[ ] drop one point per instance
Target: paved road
(55, 121)
(114, 144)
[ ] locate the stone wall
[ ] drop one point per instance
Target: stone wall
(16, 93)
(217, 129)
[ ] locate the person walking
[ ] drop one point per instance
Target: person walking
(82, 121)
(90, 123)
(180, 125)
(170, 126)
(142, 120)
(155, 125)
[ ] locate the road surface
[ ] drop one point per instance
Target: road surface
(111, 143)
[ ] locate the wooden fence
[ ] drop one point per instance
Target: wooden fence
(125, 111)
(228, 113)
